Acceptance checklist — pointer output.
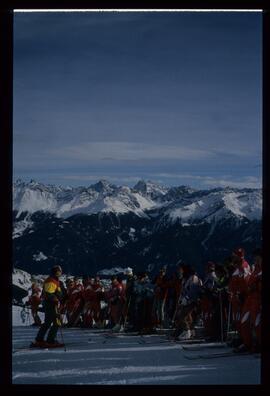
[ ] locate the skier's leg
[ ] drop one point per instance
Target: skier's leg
(45, 326)
(53, 329)
(245, 324)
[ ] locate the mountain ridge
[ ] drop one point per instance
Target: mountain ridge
(88, 229)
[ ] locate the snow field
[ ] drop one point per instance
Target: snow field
(93, 358)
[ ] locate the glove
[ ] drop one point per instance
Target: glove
(184, 301)
(55, 300)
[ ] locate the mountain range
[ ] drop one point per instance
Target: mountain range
(88, 229)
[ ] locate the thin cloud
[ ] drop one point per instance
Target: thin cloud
(94, 151)
(246, 182)
(224, 181)
(94, 178)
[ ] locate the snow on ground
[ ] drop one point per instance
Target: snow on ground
(93, 358)
(22, 316)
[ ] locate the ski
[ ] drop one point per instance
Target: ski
(166, 341)
(215, 355)
(32, 348)
(25, 349)
(202, 346)
(117, 334)
(187, 342)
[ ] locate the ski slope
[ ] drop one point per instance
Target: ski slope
(91, 357)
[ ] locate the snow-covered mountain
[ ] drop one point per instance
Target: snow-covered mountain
(182, 202)
(87, 229)
(218, 205)
(65, 201)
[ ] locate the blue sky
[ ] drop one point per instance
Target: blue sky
(170, 97)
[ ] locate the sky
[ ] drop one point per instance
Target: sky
(175, 98)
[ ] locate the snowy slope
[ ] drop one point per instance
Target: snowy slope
(92, 358)
(219, 205)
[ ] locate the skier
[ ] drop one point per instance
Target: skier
(51, 300)
(129, 308)
(177, 281)
(96, 305)
(209, 302)
(161, 291)
(148, 301)
(189, 298)
(89, 295)
(251, 313)
(34, 301)
(74, 301)
(240, 252)
(116, 300)
(144, 297)
(237, 292)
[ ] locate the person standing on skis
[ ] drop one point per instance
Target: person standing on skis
(237, 288)
(191, 290)
(52, 296)
(74, 297)
(161, 291)
(209, 302)
(116, 301)
(34, 301)
(129, 308)
(250, 324)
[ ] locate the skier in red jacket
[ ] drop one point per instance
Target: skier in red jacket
(240, 252)
(251, 313)
(89, 296)
(116, 301)
(237, 287)
(96, 302)
(34, 301)
(74, 302)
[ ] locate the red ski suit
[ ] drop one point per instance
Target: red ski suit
(92, 305)
(237, 292)
(116, 299)
(74, 302)
(251, 313)
(34, 301)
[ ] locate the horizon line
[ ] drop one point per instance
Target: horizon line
(139, 180)
(19, 10)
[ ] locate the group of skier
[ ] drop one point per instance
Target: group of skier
(226, 301)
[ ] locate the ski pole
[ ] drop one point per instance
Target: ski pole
(176, 310)
(59, 321)
(62, 337)
(221, 316)
(229, 318)
(125, 320)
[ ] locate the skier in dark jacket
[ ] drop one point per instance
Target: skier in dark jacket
(129, 309)
(52, 296)
(144, 297)
(189, 302)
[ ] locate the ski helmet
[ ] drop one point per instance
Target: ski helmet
(56, 269)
